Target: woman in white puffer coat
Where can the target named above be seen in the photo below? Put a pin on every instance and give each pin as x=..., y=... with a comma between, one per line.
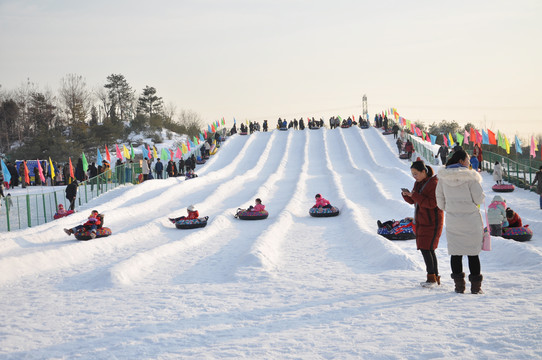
x=459, y=193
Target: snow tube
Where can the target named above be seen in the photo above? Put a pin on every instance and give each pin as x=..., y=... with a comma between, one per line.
x=345, y=126
x=402, y=230
x=84, y=234
x=403, y=156
x=517, y=233
x=58, y=216
x=200, y=161
x=387, y=132
x=252, y=215
x=192, y=223
x=187, y=177
x=503, y=188
x=243, y=133
x=324, y=212
x=283, y=129
x=314, y=127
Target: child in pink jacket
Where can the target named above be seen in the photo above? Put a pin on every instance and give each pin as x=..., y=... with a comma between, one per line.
x=321, y=202
x=258, y=207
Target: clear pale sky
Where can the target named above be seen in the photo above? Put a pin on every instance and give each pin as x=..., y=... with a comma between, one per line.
x=469, y=61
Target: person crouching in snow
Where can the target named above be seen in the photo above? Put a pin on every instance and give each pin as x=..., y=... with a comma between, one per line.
x=496, y=215
x=321, y=202
x=92, y=224
x=513, y=218
x=192, y=215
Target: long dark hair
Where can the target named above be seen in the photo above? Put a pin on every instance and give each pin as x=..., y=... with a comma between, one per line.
x=420, y=166
x=457, y=156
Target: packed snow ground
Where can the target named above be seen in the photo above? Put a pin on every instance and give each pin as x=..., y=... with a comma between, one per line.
x=288, y=287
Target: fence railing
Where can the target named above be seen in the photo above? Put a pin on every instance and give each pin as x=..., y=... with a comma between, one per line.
x=517, y=173
x=22, y=211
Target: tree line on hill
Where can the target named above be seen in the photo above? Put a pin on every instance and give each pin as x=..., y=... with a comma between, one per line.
x=36, y=123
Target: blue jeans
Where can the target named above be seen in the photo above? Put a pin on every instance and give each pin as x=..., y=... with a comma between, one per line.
x=541, y=201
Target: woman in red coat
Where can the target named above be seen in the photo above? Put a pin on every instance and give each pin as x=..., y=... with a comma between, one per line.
x=428, y=218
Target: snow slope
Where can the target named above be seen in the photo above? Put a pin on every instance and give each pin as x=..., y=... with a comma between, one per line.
x=287, y=287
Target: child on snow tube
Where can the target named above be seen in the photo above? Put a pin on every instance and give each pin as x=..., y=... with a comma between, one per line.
x=256, y=211
x=321, y=202
x=192, y=215
x=92, y=224
x=62, y=212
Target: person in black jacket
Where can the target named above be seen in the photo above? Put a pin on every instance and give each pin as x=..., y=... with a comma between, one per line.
x=159, y=168
x=71, y=193
x=181, y=166
x=443, y=153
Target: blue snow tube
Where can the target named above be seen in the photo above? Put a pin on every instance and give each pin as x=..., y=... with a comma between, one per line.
x=192, y=223
x=324, y=212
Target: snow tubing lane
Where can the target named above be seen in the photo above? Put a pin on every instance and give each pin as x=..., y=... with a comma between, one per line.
x=58, y=216
x=517, y=233
x=324, y=212
x=404, y=234
x=84, y=235
x=503, y=188
x=252, y=215
x=192, y=223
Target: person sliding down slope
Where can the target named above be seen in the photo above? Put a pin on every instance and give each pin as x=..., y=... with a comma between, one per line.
x=192, y=215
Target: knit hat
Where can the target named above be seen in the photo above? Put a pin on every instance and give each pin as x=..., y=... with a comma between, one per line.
x=191, y=208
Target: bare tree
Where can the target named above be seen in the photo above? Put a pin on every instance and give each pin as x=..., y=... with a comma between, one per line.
x=170, y=109
x=75, y=98
x=105, y=105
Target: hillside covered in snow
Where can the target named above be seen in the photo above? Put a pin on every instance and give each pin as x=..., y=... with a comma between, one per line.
x=287, y=287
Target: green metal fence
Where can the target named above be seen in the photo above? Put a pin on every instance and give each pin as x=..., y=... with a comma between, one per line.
x=515, y=172
x=22, y=211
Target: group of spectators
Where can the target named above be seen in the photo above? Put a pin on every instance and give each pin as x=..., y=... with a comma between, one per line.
x=172, y=169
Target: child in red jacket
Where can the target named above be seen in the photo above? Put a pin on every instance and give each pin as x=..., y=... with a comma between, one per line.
x=513, y=218
x=92, y=224
x=192, y=215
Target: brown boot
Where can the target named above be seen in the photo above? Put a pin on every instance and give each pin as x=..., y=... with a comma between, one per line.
x=459, y=280
x=431, y=281
x=476, y=284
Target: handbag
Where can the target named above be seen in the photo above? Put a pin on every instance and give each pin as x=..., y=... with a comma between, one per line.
x=486, y=241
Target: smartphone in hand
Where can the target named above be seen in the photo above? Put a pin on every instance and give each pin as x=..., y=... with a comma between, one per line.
x=405, y=190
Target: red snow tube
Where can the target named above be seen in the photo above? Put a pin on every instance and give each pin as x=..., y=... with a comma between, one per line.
x=58, y=216
x=503, y=188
